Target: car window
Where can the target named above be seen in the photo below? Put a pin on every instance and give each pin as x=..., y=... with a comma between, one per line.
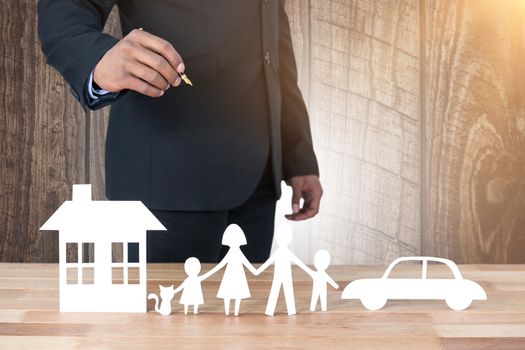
x=406, y=269
x=438, y=270
x=414, y=269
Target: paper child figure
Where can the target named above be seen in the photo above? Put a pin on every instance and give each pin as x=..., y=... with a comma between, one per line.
x=191, y=287
x=166, y=295
x=321, y=278
x=282, y=273
x=234, y=284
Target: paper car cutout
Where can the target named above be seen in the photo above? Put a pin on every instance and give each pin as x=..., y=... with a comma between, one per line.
x=457, y=292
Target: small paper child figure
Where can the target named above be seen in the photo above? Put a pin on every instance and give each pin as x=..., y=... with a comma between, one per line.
x=321, y=278
x=166, y=295
x=282, y=272
x=234, y=284
x=191, y=287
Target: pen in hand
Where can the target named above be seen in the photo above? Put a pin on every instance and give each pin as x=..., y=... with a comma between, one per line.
x=185, y=79
x=183, y=75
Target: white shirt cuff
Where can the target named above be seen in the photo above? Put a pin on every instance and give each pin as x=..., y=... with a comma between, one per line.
x=95, y=93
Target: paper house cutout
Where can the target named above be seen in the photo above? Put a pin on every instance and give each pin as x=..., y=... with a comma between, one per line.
x=457, y=292
x=105, y=284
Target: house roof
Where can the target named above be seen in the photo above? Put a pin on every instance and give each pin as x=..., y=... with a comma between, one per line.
x=83, y=213
x=107, y=215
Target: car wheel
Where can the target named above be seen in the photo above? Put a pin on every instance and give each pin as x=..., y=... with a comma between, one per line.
x=373, y=302
x=458, y=303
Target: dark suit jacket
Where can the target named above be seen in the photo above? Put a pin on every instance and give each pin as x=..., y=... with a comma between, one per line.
x=200, y=148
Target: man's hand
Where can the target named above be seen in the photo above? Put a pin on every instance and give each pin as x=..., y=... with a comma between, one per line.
x=309, y=188
x=141, y=62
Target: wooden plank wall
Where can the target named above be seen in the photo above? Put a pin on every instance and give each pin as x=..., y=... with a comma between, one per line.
x=42, y=139
x=385, y=82
x=474, y=130
x=363, y=96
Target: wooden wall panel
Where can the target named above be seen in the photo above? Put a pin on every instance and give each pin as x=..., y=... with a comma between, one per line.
x=360, y=70
x=299, y=16
x=41, y=139
x=364, y=109
x=474, y=180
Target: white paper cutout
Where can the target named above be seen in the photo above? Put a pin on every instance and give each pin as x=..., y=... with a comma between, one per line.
x=457, y=292
x=107, y=285
x=321, y=279
x=234, y=284
x=282, y=274
x=191, y=287
x=166, y=296
x=102, y=223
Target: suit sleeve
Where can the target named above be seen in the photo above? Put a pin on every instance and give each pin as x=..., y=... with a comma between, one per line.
x=72, y=40
x=298, y=154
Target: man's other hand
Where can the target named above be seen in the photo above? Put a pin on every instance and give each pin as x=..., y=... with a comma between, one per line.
x=309, y=189
x=141, y=62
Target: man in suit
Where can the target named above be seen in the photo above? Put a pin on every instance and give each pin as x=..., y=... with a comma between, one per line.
x=199, y=157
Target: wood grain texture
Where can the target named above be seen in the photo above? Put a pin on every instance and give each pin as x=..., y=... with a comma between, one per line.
x=365, y=120
x=41, y=139
x=475, y=130
x=360, y=70
x=30, y=316
x=298, y=12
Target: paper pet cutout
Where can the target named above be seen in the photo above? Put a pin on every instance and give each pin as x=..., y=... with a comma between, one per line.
x=102, y=282
x=234, y=284
x=166, y=295
x=457, y=292
x=321, y=279
x=282, y=273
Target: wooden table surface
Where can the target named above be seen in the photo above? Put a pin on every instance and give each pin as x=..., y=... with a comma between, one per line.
x=29, y=316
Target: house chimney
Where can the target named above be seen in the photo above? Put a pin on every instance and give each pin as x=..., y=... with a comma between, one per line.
x=82, y=193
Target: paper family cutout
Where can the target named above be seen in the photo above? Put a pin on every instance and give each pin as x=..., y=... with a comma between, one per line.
x=321, y=278
x=457, y=292
x=234, y=284
x=282, y=272
x=191, y=290
x=109, y=283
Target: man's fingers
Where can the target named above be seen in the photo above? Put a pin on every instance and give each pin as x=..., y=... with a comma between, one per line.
x=150, y=76
x=296, y=198
x=161, y=46
x=143, y=87
x=304, y=214
x=311, y=206
x=310, y=209
x=157, y=63
x=311, y=190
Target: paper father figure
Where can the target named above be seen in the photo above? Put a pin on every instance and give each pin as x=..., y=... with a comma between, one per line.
x=282, y=273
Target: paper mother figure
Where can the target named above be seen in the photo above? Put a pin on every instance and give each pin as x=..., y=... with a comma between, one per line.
x=234, y=284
